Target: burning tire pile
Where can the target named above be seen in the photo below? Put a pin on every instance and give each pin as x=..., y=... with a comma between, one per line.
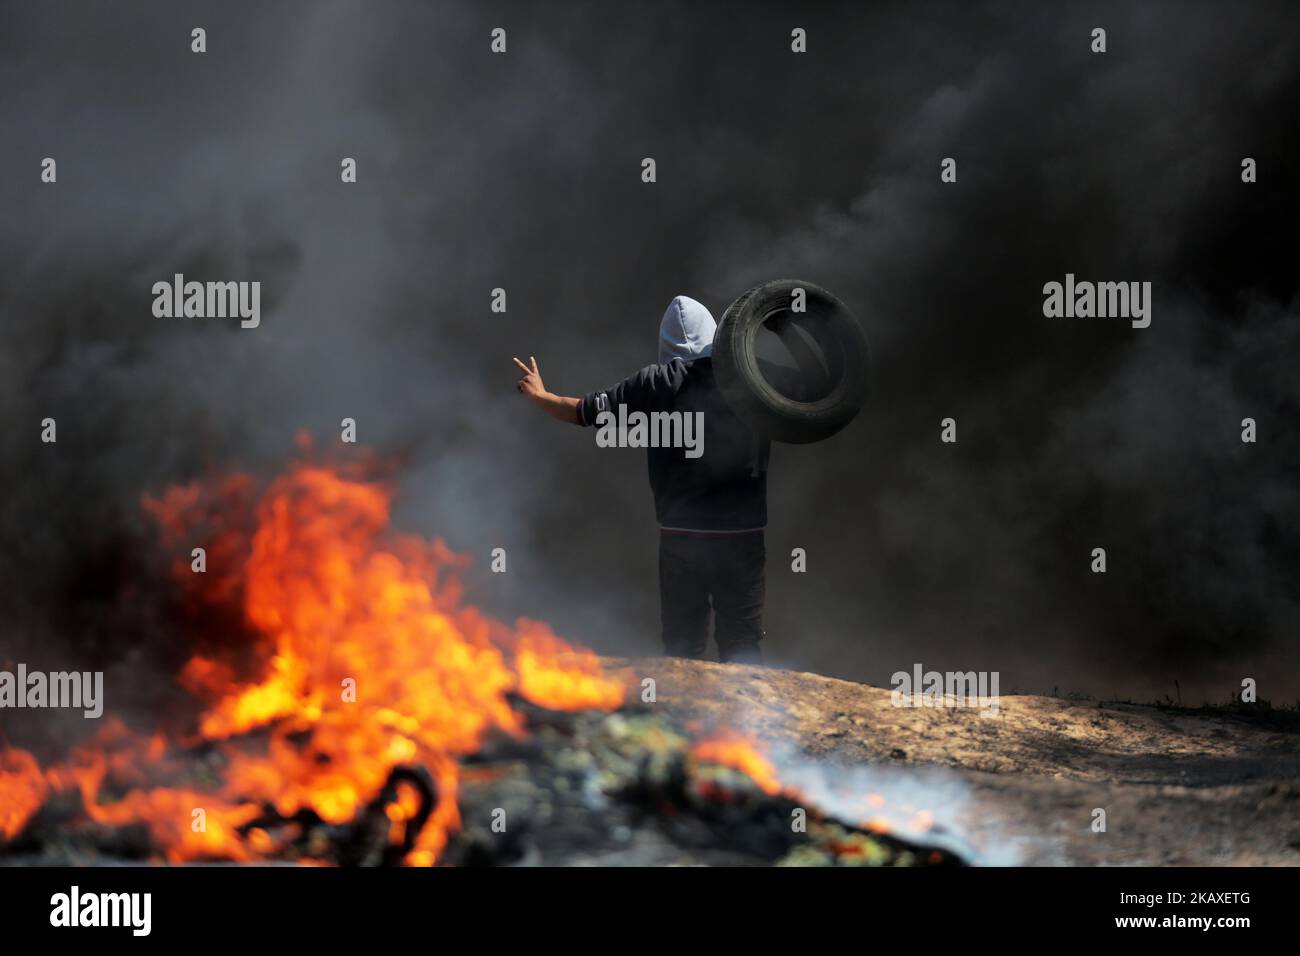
x=361, y=715
x=631, y=789
x=578, y=788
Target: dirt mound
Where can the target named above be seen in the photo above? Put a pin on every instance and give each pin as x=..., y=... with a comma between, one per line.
x=1177, y=786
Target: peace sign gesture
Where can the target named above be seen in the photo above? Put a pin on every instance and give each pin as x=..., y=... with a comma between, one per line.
x=531, y=384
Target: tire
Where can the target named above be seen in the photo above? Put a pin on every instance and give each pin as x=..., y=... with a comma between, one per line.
x=834, y=385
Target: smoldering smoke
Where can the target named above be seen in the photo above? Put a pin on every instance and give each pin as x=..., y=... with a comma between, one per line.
x=521, y=171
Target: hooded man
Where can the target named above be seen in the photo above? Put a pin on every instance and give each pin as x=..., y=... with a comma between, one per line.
x=712, y=509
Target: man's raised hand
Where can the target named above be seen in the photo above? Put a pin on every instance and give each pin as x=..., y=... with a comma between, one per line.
x=531, y=385
x=557, y=406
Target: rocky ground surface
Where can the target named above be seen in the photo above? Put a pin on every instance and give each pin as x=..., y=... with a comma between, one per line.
x=1178, y=786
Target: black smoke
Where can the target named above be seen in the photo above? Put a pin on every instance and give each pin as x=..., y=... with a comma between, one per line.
x=522, y=171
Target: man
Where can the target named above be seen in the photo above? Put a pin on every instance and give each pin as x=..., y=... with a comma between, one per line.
x=712, y=509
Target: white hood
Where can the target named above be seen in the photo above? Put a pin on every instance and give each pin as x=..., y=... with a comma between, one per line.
x=686, y=331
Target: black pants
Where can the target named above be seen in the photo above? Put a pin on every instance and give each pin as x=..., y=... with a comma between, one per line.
x=727, y=569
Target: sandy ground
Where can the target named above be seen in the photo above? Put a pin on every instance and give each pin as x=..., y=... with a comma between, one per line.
x=1178, y=787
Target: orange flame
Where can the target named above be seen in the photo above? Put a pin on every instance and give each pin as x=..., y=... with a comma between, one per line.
x=729, y=748
x=368, y=660
x=22, y=790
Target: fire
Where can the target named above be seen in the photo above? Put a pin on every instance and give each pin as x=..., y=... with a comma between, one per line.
x=729, y=748
x=359, y=657
x=22, y=790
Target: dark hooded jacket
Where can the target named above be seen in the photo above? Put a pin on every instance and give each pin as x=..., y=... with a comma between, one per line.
x=725, y=489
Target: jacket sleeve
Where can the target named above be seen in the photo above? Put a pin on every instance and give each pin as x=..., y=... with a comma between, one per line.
x=650, y=389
